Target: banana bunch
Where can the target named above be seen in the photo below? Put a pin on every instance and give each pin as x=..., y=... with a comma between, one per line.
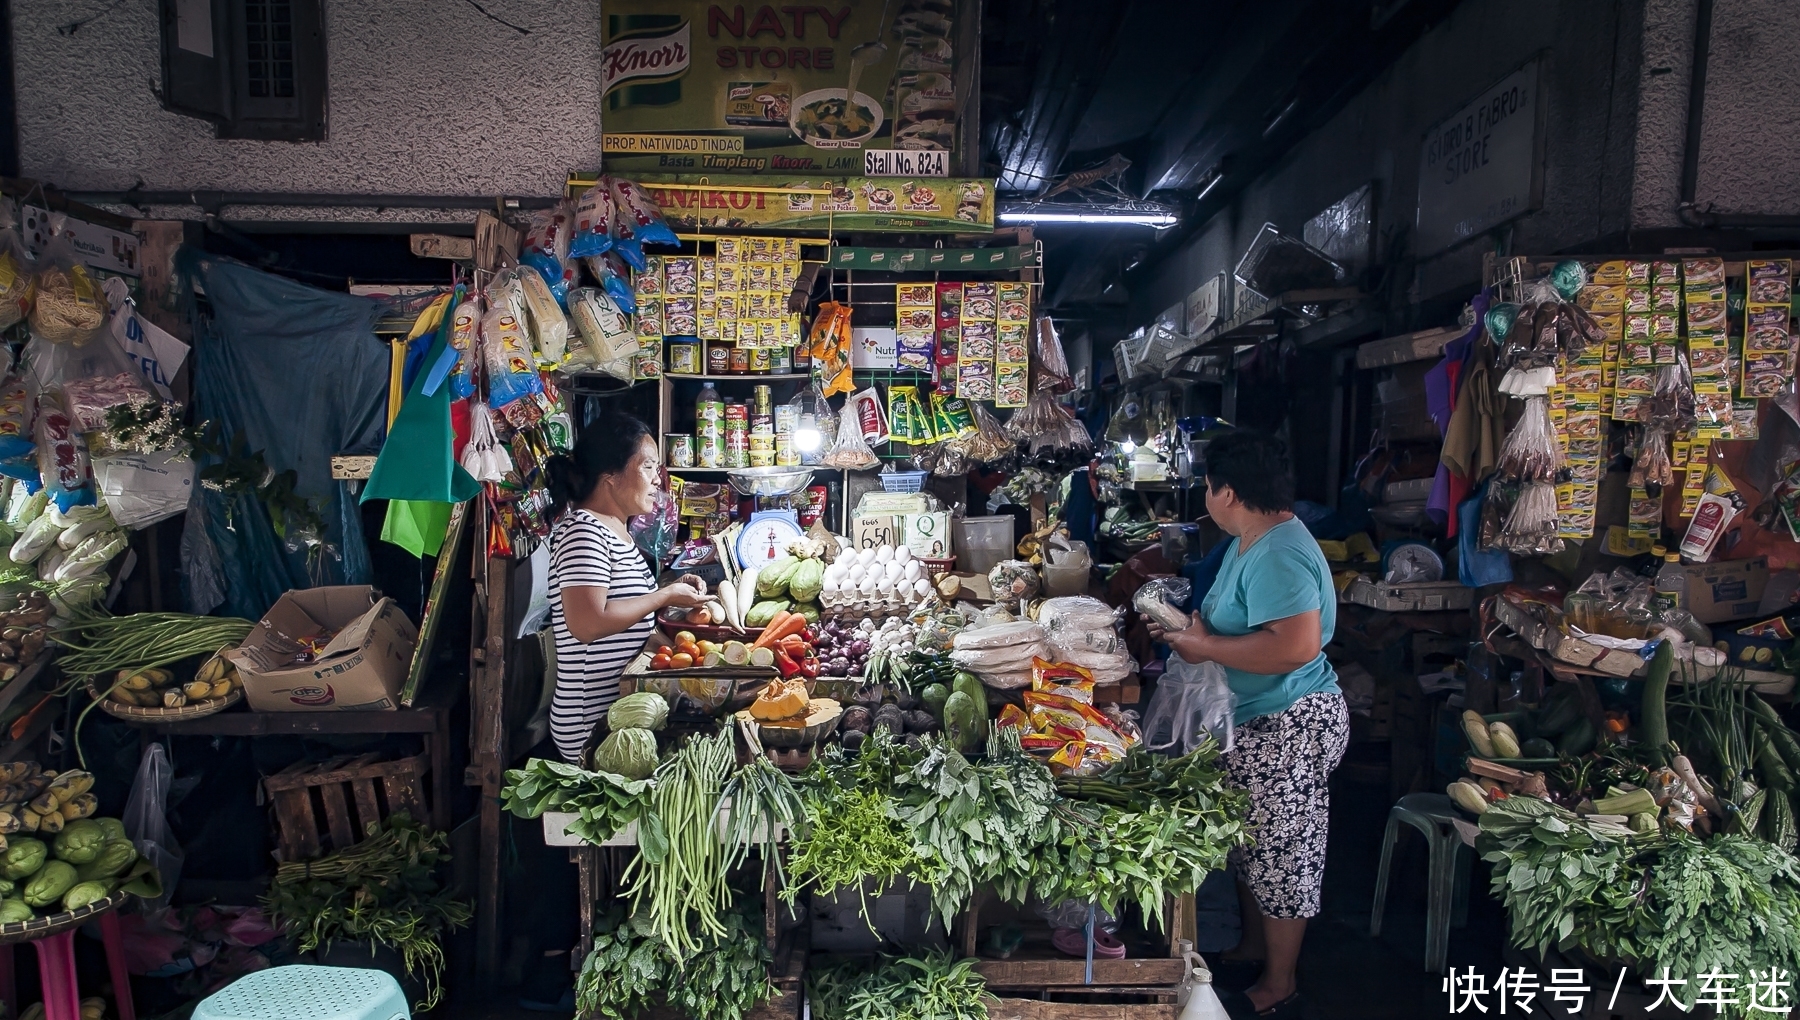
x=157, y=688
x=32, y=800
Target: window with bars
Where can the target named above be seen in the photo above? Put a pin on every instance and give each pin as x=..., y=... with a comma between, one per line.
x=255, y=68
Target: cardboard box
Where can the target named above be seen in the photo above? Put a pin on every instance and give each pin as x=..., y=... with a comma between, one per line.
x=1727, y=590
x=875, y=530
x=361, y=667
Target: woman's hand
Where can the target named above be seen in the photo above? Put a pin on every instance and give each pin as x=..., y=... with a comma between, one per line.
x=1190, y=644
x=682, y=594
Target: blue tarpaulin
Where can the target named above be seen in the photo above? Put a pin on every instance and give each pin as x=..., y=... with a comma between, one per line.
x=298, y=373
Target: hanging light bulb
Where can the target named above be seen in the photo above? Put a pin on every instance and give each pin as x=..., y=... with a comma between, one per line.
x=1128, y=447
x=807, y=438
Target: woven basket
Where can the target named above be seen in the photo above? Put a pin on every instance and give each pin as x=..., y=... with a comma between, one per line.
x=42, y=927
x=139, y=713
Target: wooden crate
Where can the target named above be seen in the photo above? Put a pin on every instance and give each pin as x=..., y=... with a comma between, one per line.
x=329, y=806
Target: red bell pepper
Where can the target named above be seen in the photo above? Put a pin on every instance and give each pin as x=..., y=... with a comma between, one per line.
x=785, y=664
x=809, y=667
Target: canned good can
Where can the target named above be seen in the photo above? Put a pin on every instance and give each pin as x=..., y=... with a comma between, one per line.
x=760, y=398
x=785, y=454
x=740, y=360
x=760, y=363
x=681, y=450
x=736, y=455
x=762, y=424
x=762, y=441
x=787, y=417
x=711, y=453
x=762, y=458
x=737, y=441
x=684, y=357
x=736, y=412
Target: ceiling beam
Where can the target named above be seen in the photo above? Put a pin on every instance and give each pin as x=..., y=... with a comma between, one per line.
x=1075, y=56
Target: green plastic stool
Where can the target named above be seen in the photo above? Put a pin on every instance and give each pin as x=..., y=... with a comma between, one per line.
x=1446, y=876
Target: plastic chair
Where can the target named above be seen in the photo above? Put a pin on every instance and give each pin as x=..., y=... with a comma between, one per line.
x=56, y=972
x=1432, y=814
x=308, y=993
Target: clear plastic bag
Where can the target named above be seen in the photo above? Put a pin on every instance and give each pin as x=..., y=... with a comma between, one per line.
x=850, y=451
x=146, y=819
x=1052, y=363
x=69, y=306
x=1531, y=452
x=1531, y=526
x=1192, y=701
x=17, y=278
x=1161, y=600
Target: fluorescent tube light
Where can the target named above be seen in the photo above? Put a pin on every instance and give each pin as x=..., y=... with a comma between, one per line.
x=1122, y=217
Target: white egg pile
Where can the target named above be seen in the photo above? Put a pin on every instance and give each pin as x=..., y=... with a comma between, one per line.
x=872, y=578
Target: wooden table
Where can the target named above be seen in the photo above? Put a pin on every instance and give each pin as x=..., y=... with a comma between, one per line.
x=429, y=717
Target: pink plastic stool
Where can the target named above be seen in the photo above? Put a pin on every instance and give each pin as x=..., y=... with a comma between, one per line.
x=56, y=971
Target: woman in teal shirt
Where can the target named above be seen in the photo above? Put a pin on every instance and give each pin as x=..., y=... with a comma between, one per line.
x=1267, y=619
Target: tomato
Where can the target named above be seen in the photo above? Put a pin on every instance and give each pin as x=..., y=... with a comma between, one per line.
x=660, y=661
x=685, y=637
x=664, y=650
x=680, y=660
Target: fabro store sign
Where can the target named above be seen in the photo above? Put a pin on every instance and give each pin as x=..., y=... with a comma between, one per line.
x=696, y=87
x=921, y=204
x=1483, y=165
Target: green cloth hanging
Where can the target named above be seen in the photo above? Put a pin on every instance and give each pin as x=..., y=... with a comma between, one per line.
x=418, y=460
x=417, y=525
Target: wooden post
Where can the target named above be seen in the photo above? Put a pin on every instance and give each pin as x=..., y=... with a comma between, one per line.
x=488, y=754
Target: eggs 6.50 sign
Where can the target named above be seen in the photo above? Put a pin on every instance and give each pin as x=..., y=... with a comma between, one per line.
x=1482, y=165
x=694, y=87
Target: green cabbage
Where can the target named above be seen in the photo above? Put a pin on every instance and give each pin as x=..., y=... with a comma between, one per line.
x=643, y=710
x=629, y=752
x=80, y=841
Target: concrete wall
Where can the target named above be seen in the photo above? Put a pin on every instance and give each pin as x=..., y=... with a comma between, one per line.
x=1591, y=82
x=1750, y=143
x=424, y=97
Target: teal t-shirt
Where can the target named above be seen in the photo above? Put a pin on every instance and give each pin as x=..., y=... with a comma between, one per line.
x=1284, y=574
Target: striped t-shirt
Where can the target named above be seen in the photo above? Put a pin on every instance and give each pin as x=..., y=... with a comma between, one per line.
x=587, y=553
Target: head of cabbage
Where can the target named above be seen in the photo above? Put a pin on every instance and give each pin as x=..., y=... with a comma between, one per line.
x=630, y=752
x=643, y=710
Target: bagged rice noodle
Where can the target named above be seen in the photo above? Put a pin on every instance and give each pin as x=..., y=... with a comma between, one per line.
x=69, y=307
x=506, y=353
x=549, y=327
x=591, y=233
x=613, y=275
x=641, y=217
x=607, y=343
x=850, y=451
x=465, y=339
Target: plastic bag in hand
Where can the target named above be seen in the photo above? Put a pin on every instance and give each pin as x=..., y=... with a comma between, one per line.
x=1162, y=599
x=1192, y=701
x=146, y=819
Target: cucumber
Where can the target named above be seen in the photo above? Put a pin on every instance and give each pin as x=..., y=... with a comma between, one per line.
x=1782, y=737
x=1562, y=711
x=1774, y=772
x=1537, y=747
x=1578, y=739
x=1653, y=724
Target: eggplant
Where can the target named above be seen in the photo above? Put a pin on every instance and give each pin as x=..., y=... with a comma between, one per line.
x=856, y=717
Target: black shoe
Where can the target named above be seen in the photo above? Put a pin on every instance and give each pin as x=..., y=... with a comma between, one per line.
x=1239, y=1006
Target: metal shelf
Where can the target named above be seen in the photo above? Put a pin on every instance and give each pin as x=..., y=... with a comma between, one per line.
x=733, y=377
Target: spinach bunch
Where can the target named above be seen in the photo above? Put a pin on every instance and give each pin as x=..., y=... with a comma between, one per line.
x=850, y=834
x=602, y=802
x=631, y=969
x=933, y=987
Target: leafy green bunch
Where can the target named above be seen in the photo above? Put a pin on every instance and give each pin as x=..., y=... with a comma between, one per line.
x=1730, y=904
x=384, y=889
x=631, y=968
x=603, y=803
x=933, y=987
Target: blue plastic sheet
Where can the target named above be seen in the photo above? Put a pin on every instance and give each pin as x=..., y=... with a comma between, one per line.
x=299, y=374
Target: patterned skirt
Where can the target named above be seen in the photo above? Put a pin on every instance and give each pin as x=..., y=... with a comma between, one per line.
x=1284, y=761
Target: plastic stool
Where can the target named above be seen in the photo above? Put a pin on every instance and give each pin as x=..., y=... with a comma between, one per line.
x=1433, y=815
x=308, y=993
x=56, y=972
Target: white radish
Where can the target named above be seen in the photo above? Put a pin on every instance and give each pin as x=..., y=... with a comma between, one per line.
x=746, y=596
x=728, y=603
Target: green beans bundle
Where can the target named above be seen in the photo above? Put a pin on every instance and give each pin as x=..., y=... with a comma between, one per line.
x=681, y=865
x=102, y=644
x=763, y=803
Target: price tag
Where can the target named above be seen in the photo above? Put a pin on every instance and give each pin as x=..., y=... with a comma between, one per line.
x=876, y=530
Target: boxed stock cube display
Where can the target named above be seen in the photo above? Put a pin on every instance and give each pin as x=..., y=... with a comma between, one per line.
x=328, y=649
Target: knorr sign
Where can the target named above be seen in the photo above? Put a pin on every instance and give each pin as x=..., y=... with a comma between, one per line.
x=765, y=88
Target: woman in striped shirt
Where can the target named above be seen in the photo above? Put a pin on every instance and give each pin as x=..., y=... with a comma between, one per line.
x=603, y=595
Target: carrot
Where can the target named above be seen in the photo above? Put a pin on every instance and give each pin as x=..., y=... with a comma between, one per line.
x=780, y=627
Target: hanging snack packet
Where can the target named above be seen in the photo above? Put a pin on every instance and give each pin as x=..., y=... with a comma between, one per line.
x=465, y=334
x=830, y=341
x=547, y=231
x=902, y=428
x=549, y=327
x=62, y=462
x=1061, y=678
x=16, y=279
x=507, y=354
x=591, y=235
x=69, y=306
x=866, y=406
x=646, y=219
